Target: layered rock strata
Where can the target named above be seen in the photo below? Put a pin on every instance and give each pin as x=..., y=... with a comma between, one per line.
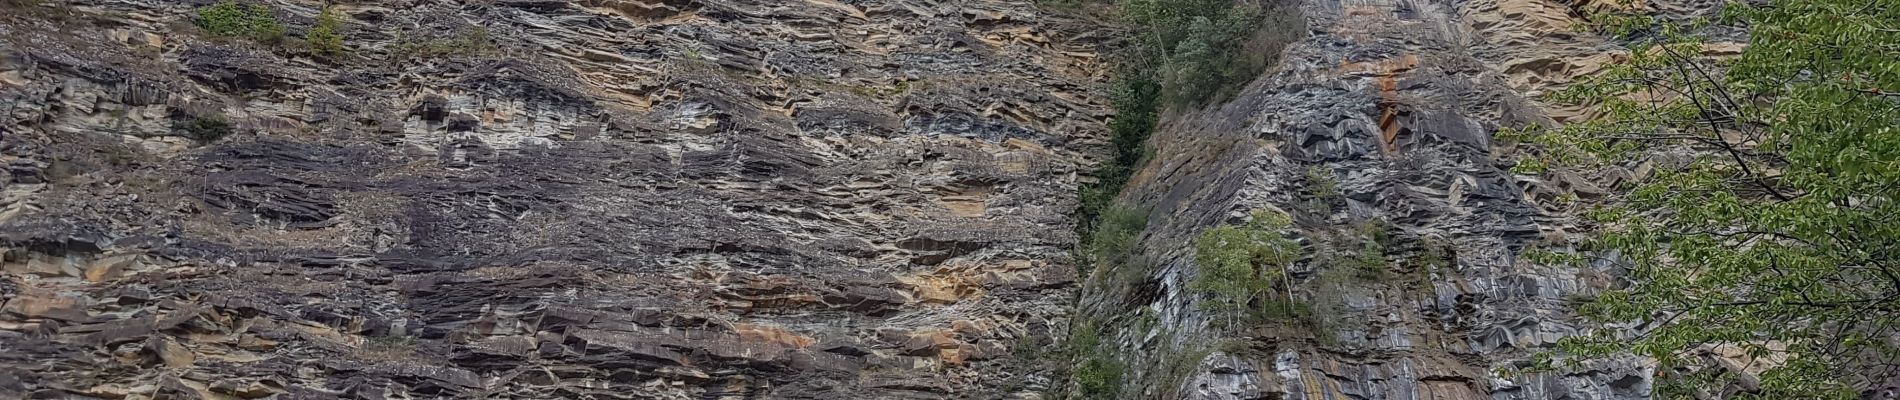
x=643, y=199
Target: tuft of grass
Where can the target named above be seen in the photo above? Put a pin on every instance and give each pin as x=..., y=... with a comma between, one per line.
x=467, y=42
x=387, y=347
x=1028, y=348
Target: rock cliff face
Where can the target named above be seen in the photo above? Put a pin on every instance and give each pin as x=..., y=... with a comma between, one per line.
x=645, y=199
x=1376, y=128
x=820, y=199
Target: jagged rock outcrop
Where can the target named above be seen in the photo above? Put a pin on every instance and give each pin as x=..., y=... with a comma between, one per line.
x=1380, y=123
x=647, y=199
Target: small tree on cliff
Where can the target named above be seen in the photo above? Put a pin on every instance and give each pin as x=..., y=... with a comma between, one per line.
x=1776, y=232
x=326, y=36
x=1241, y=263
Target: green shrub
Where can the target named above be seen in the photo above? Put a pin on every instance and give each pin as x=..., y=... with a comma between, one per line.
x=1367, y=245
x=1028, y=348
x=1099, y=377
x=1113, y=244
x=204, y=129
x=1096, y=375
x=1319, y=194
x=326, y=36
x=250, y=21
x=1180, y=363
x=1274, y=309
x=1368, y=261
x=1435, y=253
x=1320, y=183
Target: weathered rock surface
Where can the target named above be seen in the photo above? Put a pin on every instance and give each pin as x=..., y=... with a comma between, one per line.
x=645, y=199
x=1393, y=104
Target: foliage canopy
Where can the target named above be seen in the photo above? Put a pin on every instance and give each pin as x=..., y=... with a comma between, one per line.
x=1195, y=49
x=1768, y=224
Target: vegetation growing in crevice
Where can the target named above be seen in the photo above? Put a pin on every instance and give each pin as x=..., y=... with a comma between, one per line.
x=1434, y=254
x=1257, y=294
x=1112, y=245
x=1137, y=109
x=1110, y=260
x=466, y=42
x=1363, y=250
x=1181, y=362
x=1321, y=190
x=1181, y=53
x=203, y=128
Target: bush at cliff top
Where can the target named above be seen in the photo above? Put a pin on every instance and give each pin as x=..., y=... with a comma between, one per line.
x=1197, y=49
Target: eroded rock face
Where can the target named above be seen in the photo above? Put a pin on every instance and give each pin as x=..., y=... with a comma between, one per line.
x=1393, y=104
x=616, y=199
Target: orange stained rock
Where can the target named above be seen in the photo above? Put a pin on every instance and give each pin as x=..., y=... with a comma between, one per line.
x=1386, y=73
x=1388, y=113
x=972, y=327
x=949, y=284
x=943, y=343
x=958, y=354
